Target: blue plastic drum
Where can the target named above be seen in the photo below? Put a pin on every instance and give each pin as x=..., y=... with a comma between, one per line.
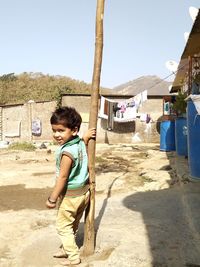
x=181, y=136
x=167, y=136
x=193, y=125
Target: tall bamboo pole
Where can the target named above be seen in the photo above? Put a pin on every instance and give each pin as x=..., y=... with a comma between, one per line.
x=89, y=231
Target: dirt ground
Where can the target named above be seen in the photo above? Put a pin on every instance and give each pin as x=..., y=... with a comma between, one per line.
x=140, y=217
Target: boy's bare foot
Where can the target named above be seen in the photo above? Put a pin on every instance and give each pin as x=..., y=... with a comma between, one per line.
x=60, y=254
x=67, y=262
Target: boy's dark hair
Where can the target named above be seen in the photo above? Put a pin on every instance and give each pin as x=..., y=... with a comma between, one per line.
x=67, y=116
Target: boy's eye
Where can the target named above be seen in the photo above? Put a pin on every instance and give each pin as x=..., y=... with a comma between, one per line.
x=59, y=131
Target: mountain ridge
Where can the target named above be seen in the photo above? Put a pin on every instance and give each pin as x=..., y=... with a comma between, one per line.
x=152, y=83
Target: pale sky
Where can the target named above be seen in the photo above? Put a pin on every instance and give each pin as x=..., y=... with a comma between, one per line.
x=57, y=37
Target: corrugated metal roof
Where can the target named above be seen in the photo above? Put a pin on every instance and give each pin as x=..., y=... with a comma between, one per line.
x=192, y=48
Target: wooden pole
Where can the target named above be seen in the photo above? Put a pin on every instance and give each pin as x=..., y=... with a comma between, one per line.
x=89, y=231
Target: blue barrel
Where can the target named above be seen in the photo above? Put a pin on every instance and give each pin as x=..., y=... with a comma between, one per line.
x=167, y=136
x=181, y=136
x=193, y=125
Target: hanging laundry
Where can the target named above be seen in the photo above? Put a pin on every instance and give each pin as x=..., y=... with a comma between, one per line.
x=130, y=113
x=137, y=100
x=130, y=103
x=102, y=104
x=122, y=106
x=148, y=118
x=143, y=117
x=144, y=96
x=116, y=109
x=123, y=111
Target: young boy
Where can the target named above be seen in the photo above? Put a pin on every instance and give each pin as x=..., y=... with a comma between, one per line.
x=72, y=178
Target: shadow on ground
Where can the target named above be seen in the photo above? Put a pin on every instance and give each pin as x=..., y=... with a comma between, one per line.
x=171, y=240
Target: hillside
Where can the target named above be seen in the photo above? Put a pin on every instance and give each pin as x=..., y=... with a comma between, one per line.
x=153, y=84
x=19, y=89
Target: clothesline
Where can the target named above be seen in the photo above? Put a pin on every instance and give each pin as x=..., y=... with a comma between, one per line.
x=139, y=97
x=121, y=110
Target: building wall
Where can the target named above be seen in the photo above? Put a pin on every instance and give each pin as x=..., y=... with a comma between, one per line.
x=135, y=131
x=17, y=121
x=150, y=132
x=129, y=132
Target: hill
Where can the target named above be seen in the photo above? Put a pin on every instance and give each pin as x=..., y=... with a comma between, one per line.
x=18, y=89
x=153, y=84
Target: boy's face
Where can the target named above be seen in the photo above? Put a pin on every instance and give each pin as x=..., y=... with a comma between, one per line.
x=62, y=134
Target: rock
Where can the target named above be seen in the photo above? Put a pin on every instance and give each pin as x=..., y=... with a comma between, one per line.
x=43, y=146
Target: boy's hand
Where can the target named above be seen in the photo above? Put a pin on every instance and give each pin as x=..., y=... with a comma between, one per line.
x=90, y=133
x=50, y=205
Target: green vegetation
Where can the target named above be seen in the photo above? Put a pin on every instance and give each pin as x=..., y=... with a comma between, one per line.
x=18, y=89
x=22, y=146
x=180, y=105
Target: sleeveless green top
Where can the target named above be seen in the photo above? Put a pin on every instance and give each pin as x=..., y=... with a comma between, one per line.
x=76, y=150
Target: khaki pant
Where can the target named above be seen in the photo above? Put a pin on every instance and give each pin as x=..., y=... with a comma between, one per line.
x=68, y=218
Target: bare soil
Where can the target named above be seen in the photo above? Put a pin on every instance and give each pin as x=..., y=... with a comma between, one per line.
x=140, y=220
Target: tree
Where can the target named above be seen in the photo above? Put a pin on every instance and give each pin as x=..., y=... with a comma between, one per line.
x=89, y=236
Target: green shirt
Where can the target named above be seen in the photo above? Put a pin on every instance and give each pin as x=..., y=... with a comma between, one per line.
x=76, y=150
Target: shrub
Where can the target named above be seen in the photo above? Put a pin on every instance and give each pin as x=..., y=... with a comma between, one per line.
x=22, y=146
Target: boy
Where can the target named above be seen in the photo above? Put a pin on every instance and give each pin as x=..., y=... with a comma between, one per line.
x=72, y=178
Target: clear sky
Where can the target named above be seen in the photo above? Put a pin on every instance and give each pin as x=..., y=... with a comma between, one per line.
x=57, y=37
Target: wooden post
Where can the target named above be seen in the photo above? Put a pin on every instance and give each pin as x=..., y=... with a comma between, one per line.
x=89, y=231
x=190, y=75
